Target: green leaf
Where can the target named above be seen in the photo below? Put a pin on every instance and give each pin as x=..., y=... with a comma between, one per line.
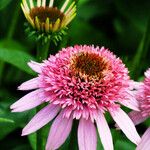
x=14, y=53
x=4, y=3
x=32, y=139
x=6, y=120
x=124, y=145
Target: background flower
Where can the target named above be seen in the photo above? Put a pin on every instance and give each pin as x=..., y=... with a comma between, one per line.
x=143, y=97
x=80, y=82
x=47, y=21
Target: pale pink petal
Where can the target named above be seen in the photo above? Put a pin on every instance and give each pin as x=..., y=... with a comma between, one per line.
x=59, y=132
x=134, y=85
x=87, y=138
x=131, y=103
x=35, y=66
x=104, y=132
x=29, y=101
x=145, y=141
x=41, y=118
x=29, y=85
x=126, y=125
x=137, y=117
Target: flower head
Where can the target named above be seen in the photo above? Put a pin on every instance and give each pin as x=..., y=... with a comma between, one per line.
x=48, y=21
x=80, y=82
x=142, y=94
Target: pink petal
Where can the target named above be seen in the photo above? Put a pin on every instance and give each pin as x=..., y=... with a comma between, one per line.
x=137, y=117
x=87, y=138
x=131, y=103
x=134, y=85
x=29, y=85
x=145, y=142
x=104, y=132
x=126, y=125
x=41, y=118
x=29, y=101
x=59, y=132
x=35, y=66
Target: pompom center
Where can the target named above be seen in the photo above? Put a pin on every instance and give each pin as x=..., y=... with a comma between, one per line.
x=89, y=65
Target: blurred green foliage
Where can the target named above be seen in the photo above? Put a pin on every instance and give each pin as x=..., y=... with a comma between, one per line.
x=123, y=26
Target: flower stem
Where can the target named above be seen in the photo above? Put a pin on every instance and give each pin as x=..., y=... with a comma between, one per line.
x=141, y=52
x=42, y=50
x=42, y=53
x=14, y=21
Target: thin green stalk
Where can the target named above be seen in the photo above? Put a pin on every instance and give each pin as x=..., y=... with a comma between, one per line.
x=42, y=53
x=141, y=52
x=42, y=50
x=13, y=23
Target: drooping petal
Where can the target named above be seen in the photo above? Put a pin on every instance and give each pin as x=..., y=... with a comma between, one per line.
x=29, y=85
x=145, y=141
x=87, y=137
x=35, y=66
x=137, y=117
x=104, y=132
x=59, y=132
x=29, y=101
x=41, y=118
x=126, y=125
x=131, y=103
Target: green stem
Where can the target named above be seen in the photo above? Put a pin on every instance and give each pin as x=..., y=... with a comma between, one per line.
x=141, y=52
x=14, y=21
x=42, y=50
x=42, y=53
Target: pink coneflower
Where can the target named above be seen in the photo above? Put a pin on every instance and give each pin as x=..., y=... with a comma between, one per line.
x=80, y=82
x=143, y=97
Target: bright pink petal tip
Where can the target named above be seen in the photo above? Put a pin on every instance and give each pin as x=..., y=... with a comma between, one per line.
x=59, y=132
x=145, y=141
x=126, y=125
x=104, y=132
x=87, y=138
x=40, y=119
